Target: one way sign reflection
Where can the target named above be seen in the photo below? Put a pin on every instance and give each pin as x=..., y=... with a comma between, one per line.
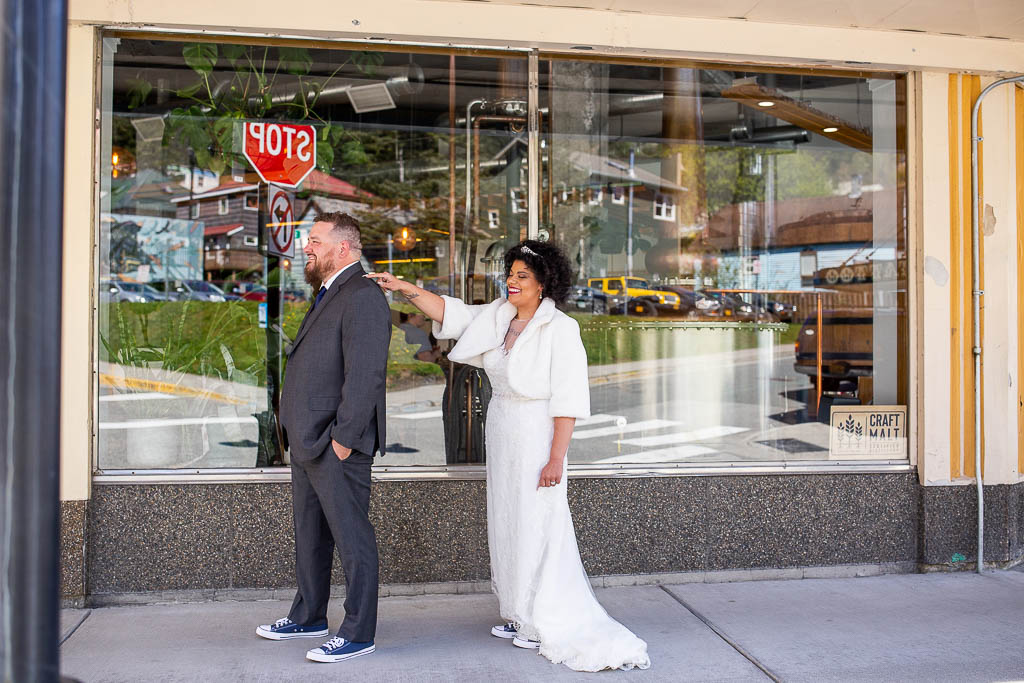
x=280, y=223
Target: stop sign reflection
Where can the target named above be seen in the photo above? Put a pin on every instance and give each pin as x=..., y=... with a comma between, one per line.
x=281, y=153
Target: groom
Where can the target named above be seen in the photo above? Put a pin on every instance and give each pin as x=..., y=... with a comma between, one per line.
x=332, y=416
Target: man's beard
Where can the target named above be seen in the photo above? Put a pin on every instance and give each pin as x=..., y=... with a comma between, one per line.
x=316, y=275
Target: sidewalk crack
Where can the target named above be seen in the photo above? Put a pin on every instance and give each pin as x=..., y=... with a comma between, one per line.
x=724, y=636
x=71, y=631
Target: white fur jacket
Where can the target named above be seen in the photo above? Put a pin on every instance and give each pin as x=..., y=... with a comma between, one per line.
x=547, y=361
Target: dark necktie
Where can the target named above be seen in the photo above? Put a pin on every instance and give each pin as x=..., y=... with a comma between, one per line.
x=319, y=296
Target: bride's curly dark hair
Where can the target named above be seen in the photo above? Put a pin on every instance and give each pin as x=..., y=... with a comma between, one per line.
x=548, y=263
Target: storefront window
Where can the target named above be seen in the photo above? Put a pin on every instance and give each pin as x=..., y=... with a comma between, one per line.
x=427, y=152
x=723, y=222
x=748, y=216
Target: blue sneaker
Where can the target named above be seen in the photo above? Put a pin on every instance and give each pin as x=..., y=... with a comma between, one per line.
x=284, y=629
x=336, y=649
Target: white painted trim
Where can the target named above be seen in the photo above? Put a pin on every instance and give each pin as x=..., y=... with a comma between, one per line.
x=478, y=472
x=490, y=25
x=77, y=314
x=933, y=198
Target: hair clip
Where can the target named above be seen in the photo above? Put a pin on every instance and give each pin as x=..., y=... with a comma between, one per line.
x=526, y=250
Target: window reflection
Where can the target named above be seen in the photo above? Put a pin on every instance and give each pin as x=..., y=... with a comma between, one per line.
x=738, y=240
x=741, y=255
x=426, y=151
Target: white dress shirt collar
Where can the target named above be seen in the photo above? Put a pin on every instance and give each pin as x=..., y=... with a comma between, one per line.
x=330, y=281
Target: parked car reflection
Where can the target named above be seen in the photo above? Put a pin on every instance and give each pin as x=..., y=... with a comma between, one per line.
x=259, y=293
x=693, y=304
x=591, y=300
x=784, y=311
x=195, y=290
x=135, y=292
x=735, y=307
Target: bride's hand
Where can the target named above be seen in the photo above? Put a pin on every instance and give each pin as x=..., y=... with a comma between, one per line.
x=551, y=475
x=387, y=281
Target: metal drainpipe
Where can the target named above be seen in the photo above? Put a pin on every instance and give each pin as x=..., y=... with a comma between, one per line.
x=976, y=294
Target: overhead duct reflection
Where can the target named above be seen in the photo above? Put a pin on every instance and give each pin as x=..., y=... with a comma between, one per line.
x=747, y=133
x=407, y=80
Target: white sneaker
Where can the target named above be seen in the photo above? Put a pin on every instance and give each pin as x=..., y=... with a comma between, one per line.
x=504, y=630
x=525, y=643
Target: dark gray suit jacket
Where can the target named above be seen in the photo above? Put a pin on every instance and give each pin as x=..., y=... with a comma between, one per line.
x=334, y=385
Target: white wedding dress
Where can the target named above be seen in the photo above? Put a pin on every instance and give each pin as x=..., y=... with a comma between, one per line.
x=536, y=570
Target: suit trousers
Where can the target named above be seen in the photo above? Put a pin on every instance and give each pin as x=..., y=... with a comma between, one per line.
x=331, y=505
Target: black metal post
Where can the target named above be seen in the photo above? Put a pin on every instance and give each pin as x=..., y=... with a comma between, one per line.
x=272, y=281
x=33, y=46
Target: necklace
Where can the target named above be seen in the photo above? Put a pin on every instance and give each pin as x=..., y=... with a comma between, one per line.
x=512, y=334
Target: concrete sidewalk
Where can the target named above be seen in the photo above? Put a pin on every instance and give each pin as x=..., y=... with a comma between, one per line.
x=916, y=627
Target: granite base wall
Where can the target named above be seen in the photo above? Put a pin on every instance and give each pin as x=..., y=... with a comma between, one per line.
x=137, y=539
x=144, y=538
x=72, y=549
x=186, y=537
x=949, y=525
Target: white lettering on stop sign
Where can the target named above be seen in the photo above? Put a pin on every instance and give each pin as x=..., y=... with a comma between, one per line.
x=255, y=131
x=302, y=151
x=282, y=153
x=274, y=139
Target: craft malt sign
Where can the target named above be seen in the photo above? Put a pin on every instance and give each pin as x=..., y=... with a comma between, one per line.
x=868, y=432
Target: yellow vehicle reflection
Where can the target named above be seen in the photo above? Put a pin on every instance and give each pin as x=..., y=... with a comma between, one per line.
x=648, y=301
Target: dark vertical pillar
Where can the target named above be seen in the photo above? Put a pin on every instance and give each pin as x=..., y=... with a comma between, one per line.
x=32, y=70
x=272, y=281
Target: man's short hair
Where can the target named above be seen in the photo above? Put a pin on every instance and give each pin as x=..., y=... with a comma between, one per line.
x=344, y=228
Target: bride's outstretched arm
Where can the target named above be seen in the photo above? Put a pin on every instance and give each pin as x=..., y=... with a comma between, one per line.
x=551, y=475
x=431, y=304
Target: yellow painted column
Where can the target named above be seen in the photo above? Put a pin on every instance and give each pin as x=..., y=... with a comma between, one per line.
x=963, y=91
x=1002, y=266
x=947, y=453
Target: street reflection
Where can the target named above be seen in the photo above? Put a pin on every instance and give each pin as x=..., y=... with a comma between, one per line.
x=737, y=238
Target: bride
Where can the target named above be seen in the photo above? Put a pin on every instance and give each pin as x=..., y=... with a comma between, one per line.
x=534, y=358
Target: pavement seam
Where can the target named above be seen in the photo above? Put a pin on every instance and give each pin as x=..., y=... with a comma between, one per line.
x=71, y=631
x=724, y=636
